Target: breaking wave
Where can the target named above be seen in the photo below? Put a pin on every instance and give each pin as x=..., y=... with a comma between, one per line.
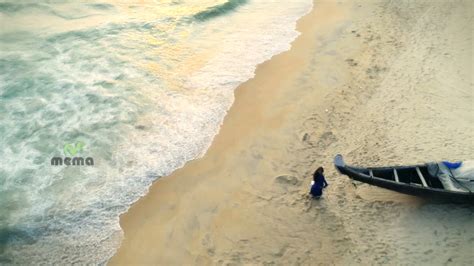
x=219, y=10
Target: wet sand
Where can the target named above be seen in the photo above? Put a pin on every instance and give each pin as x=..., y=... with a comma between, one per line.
x=381, y=82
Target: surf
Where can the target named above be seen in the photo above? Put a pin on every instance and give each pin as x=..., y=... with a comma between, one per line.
x=145, y=87
x=219, y=10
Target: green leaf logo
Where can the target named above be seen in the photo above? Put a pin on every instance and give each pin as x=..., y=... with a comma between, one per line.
x=72, y=149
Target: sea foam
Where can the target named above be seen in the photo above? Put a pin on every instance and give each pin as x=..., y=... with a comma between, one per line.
x=146, y=88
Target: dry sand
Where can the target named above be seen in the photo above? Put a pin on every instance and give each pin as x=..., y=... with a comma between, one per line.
x=382, y=82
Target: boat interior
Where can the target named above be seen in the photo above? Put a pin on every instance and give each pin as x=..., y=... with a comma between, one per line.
x=410, y=175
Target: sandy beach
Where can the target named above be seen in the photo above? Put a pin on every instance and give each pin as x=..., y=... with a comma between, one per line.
x=381, y=82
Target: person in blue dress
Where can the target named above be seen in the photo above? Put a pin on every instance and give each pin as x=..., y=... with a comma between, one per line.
x=318, y=183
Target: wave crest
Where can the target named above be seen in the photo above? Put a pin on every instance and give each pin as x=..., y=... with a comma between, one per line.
x=219, y=10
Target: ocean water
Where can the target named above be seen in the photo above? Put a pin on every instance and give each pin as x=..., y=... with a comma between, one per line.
x=141, y=87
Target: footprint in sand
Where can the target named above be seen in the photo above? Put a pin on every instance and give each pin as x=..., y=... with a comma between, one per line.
x=287, y=180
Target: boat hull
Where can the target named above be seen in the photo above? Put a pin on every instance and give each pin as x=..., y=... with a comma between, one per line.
x=432, y=190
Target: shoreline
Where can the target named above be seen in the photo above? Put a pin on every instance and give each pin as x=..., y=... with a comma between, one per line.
x=246, y=116
x=345, y=86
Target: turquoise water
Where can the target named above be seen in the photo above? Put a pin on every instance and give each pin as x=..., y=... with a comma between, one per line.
x=139, y=87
